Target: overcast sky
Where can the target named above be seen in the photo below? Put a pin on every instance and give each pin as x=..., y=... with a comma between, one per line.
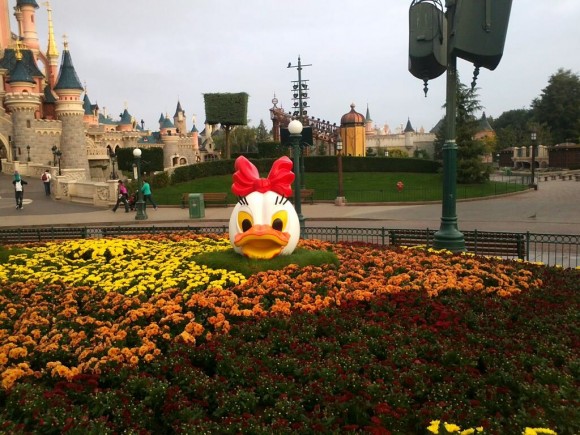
x=150, y=53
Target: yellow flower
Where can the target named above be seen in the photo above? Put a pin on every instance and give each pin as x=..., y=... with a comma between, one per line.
x=450, y=427
x=434, y=427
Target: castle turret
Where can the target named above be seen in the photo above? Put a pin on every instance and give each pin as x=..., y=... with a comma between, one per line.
x=23, y=102
x=352, y=131
x=409, y=135
x=4, y=25
x=69, y=110
x=179, y=120
x=369, y=125
x=51, y=52
x=126, y=123
x=25, y=11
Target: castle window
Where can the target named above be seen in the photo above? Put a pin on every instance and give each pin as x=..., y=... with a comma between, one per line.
x=28, y=123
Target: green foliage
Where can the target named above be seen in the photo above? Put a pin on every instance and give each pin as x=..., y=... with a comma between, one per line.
x=559, y=107
x=262, y=134
x=271, y=149
x=160, y=179
x=420, y=154
x=231, y=260
x=7, y=251
x=470, y=168
x=511, y=128
x=226, y=108
x=151, y=159
x=397, y=153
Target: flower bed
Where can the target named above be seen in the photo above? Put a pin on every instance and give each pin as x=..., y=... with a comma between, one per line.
x=133, y=335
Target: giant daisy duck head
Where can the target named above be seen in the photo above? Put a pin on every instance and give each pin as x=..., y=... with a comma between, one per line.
x=264, y=223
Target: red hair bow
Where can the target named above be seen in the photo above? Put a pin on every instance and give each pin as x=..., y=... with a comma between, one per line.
x=247, y=178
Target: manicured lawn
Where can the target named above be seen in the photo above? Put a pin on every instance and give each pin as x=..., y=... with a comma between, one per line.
x=357, y=186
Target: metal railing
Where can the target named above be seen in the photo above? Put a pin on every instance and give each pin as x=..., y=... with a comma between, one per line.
x=550, y=249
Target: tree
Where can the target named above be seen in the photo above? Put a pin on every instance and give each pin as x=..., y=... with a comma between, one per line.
x=511, y=128
x=262, y=133
x=559, y=107
x=470, y=167
x=228, y=110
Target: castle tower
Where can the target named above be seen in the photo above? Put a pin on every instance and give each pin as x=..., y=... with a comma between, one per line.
x=4, y=25
x=51, y=52
x=409, y=135
x=69, y=110
x=24, y=103
x=126, y=123
x=179, y=120
x=369, y=125
x=352, y=131
x=25, y=11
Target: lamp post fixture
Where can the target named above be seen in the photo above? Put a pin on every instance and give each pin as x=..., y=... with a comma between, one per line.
x=140, y=204
x=58, y=154
x=449, y=237
x=113, y=161
x=295, y=130
x=53, y=149
x=28, y=151
x=533, y=166
x=340, y=200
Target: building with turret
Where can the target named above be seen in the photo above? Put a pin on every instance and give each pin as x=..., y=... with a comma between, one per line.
x=47, y=120
x=408, y=141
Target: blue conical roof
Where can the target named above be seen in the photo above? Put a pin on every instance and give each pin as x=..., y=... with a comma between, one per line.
x=20, y=74
x=27, y=2
x=409, y=127
x=87, y=105
x=126, y=118
x=67, y=76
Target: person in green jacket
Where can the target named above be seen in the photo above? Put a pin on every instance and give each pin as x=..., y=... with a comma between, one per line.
x=147, y=196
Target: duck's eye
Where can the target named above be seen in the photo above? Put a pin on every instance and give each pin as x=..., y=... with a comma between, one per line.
x=245, y=221
x=279, y=220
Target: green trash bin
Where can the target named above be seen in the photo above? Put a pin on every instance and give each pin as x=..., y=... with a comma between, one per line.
x=196, y=206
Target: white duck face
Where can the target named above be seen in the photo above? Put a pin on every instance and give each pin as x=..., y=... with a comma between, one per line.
x=264, y=225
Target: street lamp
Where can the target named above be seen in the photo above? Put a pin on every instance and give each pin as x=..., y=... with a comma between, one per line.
x=58, y=154
x=28, y=151
x=533, y=183
x=53, y=149
x=295, y=130
x=340, y=198
x=140, y=204
x=113, y=161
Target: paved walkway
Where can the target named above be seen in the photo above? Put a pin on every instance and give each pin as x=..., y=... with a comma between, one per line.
x=553, y=209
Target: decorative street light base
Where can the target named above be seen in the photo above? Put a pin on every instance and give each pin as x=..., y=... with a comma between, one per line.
x=141, y=212
x=449, y=237
x=340, y=200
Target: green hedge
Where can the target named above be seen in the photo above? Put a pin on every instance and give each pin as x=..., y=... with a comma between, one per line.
x=311, y=164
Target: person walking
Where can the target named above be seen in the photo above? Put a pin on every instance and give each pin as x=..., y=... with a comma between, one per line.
x=147, y=196
x=122, y=197
x=18, y=183
x=46, y=177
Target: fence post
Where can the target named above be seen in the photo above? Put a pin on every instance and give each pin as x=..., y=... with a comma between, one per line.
x=383, y=236
x=527, y=253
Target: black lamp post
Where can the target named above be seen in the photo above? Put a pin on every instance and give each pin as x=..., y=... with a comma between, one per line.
x=53, y=149
x=113, y=161
x=295, y=130
x=140, y=204
x=533, y=167
x=340, y=198
x=28, y=151
x=58, y=154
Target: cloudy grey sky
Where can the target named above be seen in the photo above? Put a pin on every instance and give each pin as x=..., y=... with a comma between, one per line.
x=151, y=53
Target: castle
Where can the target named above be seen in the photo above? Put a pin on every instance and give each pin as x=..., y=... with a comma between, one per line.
x=47, y=120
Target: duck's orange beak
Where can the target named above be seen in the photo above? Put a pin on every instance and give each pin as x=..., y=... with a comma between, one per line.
x=261, y=242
